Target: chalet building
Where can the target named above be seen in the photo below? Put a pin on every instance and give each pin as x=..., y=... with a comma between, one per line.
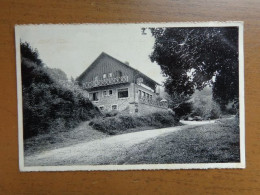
x=114, y=85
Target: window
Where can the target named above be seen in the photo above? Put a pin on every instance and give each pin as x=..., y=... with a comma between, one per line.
x=104, y=93
x=122, y=93
x=139, y=93
x=114, y=107
x=110, y=74
x=104, y=76
x=93, y=96
x=110, y=92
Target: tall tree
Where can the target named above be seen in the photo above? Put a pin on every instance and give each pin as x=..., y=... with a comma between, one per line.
x=193, y=58
x=30, y=53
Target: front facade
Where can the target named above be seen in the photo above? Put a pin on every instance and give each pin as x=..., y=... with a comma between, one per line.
x=114, y=85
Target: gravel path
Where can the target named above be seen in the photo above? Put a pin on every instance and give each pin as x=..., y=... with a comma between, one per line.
x=108, y=150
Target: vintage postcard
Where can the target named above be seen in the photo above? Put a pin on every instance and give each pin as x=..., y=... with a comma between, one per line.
x=130, y=96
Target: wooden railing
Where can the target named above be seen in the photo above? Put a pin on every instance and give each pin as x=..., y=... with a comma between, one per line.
x=154, y=103
x=105, y=82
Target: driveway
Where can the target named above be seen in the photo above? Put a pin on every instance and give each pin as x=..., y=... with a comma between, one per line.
x=108, y=150
x=197, y=122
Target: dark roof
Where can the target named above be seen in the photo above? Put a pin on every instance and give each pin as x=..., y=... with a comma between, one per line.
x=124, y=64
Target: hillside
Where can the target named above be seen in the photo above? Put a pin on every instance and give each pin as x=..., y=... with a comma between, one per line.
x=49, y=105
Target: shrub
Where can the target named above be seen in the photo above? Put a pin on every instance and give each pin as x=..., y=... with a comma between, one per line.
x=118, y=124
x=47, y=104
x=232, y=107
x=110, y=113
x=58, y=125
x=183, y=109
x=206, y=108
x=215, y=111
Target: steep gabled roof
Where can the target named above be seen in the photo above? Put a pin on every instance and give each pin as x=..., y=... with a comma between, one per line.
x=103, y=54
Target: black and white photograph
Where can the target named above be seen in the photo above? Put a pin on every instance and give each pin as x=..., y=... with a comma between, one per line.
x=131, y=96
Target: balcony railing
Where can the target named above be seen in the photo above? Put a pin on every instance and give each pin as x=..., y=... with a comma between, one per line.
x=154, y=103
x=106, y=82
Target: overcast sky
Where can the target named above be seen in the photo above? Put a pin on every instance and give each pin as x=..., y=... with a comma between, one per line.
x=72, y=48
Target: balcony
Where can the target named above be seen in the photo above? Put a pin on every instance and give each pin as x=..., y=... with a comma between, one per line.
x=106, y=82
x=153, y=103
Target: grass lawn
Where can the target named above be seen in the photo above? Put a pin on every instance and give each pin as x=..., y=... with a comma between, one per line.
x=213, y=143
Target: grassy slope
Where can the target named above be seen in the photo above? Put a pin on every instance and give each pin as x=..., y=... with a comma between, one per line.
x=53, y=140
x=214, y=143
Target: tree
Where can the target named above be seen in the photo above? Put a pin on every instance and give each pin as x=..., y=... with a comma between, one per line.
x=50, y=102
x=203, y=105
x=193, y=58
x=28, y=52
x=57, y=74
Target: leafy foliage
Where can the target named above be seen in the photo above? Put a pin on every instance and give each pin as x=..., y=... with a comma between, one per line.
x=29, y=53
x=183, y=109
x=204, y=106
x=121, y=123
x=192, y=57
x=49, y=105
x=57, y=74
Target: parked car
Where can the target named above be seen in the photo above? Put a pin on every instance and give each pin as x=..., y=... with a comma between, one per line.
x=197, y=118
x=190, y=118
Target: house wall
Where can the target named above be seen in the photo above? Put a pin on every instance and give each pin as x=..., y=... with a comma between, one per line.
x=129, y=105
x=108, y=101
x=144, y=109
x=106, y=64
x=138, y=87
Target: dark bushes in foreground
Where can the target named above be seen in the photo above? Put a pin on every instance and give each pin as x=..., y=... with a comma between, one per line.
x=120, y=123
x=48, y=105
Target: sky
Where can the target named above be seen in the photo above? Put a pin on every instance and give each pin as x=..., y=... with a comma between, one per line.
x=72, y=48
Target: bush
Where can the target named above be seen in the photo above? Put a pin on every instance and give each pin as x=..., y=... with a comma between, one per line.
x=183, y=109
x=58, y=125
x=111, y=113
x=48, y=105
x=232, y=107
x=215, y=111
x=206, y=109
x=118, y=124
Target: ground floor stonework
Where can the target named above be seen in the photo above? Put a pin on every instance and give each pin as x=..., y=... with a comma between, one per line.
x=129, y=98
